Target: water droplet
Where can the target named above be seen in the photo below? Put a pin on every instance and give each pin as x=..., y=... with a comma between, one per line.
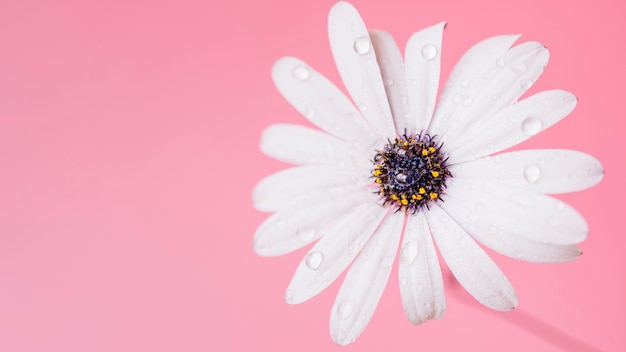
x=344, y=309
x=389, y=82
x=464, y=83
x=313, y=260
x=301, y=73
x=280, y=224
x=573, y=175
x=306, y=235
x=525, y=83
x=408, y=253
x=362, y=45
x=429, y=51
x=457, y=98
x=532, y=173
x=401, y=177
x=531, y=125
x=522, y=200
x=501, y=63
x=467, y=101
x=560, y=205
x=310, y=112
x=554, y=222
x=520, y=68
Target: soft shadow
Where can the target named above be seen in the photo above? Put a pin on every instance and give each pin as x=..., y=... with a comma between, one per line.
x=523, y=320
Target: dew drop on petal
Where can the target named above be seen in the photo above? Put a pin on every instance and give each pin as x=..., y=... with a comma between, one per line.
x=386, y=262
x=500, y=63
x=531, y=125
x=573, y=175
x=301, y=73
x=525, y=83
x=408, y=253
x=554, y=222
x=389, y=82
x=467, y=101
x=429, y=51
x=362, y=45
x=344, y=309
x=313, y=260
x=532, y=173
x=464, y=83
x=310, y=112
x=457, y=98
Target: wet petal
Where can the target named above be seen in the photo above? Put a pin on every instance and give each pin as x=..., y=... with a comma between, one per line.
x=321, y=102
x=365, y=282
x=302, y=145
x=423, y=65
x=471, y=266
x=340, y=244
x=356, y=60
x=543, y=171
x=421, y=283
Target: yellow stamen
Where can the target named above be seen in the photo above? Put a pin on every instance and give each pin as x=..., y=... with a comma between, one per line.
x=419, y=197
x=405, y=144
x=394, y=197
x=434, y=195
x=422, y=190
x=379, y=180
x=431, y=149
x=434, y=173
x=424, y=152
x=404, y=202
x=378, y=172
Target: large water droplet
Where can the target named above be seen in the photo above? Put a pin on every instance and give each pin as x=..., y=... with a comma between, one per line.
x=362, y=45
x=408, y=253
x=344, y=309
x=531, y=125
x=313, y=260
x=301, y=73
x=429, y=51
x=532, y=173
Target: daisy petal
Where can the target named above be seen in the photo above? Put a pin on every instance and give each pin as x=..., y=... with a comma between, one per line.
x=497, y=89
x=302, y=145
x=544, y=171
x=320, y=101
x=340, y=244
x=365, y=282
x=472, y=66
x=423, y=63
x=421, y=283
x=482, y=228
x=290, y=187
x=290, y=229
x=356, y=60
x=392, y=71
x=471, y=266
x=533, y=216
x=515, y=124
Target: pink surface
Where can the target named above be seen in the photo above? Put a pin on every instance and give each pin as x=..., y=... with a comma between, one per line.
x=129, y=149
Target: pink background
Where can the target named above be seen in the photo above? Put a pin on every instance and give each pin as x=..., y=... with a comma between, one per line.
x=129, y=148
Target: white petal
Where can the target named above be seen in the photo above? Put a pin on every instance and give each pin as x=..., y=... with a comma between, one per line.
x=365, y=282
x=320, y=101
x=421, y=283
x=514, y=124
x=475, y=63
x=297, y=185
x=471, y=266
x=498, y=88
x=544, y=171
x=356, y=61
x=533, y=216
x=423, y=65
x=339, y=245
x=290, y=229
x=392, y=71
x=302, y=145
x=481, y=227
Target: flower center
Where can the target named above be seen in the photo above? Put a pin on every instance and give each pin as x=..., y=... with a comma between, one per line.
x=411, y=172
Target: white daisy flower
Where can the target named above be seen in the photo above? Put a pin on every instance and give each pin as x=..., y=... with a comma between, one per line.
x=391, y=170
